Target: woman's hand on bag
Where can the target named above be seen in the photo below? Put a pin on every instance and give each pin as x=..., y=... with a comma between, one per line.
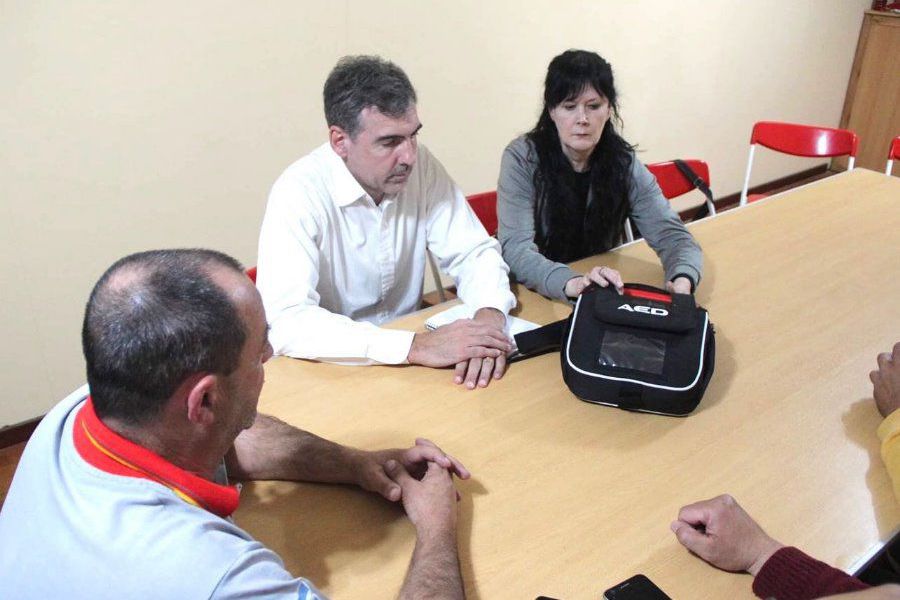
x=680, y=285
x=602, y=276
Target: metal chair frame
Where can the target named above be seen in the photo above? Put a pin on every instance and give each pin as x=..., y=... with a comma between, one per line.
x=893, y=153
x=673, y=184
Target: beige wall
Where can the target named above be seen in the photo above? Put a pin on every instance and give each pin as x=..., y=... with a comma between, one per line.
x=127, y=125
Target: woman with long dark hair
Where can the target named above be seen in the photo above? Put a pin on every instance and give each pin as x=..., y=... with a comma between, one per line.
x=567, y=186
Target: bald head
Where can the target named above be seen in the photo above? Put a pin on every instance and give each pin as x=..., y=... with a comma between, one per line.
x=153, y=320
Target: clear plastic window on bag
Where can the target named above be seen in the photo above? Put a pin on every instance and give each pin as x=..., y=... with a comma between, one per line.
x=629, y=351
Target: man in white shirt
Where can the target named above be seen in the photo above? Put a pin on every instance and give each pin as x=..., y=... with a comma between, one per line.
x=342, y=245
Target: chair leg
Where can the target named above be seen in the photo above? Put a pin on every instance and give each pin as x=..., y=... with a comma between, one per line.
x=629, y=233
x=850, y=163
x=436, y=273
x=890, y=165
x=747, y=176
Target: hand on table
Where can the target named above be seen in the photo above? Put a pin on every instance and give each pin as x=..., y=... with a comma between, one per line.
x=479, y=370
x=720, y=532
x=373, y=475
x=679, y=285
x=602, y=276
x=886, y=381
x=462, y=340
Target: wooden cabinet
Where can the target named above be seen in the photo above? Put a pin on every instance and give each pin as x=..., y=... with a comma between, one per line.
x=872, y=105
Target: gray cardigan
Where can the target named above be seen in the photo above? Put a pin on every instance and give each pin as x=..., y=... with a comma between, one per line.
x=649, y=211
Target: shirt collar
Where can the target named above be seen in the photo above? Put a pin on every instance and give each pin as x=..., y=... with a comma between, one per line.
x=345, y=188
x=108, y=451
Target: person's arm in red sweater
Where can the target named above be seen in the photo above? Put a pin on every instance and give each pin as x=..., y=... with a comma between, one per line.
x=722, y=533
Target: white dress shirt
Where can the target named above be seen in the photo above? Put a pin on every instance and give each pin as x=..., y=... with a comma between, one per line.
x=333, y=265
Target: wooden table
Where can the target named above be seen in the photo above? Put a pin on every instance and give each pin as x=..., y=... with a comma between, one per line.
x=568, y=498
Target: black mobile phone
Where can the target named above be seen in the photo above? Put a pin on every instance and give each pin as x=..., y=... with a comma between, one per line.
x=635, y=588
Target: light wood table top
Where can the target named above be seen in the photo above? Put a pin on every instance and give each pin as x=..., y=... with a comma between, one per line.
x=569, y=498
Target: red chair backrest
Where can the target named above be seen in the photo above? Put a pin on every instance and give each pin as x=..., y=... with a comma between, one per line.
x=485, y=207
x=804, y=140
x=251, y=273
x=672, y=182
x=894, y=152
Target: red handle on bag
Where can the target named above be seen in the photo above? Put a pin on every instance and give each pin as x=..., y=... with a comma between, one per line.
x=647, y=295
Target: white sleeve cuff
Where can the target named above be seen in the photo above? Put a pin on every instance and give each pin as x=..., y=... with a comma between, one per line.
x=389, y=346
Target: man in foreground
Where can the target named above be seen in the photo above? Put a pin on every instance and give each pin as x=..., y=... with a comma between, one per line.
x=342, y=245
x=124, y=493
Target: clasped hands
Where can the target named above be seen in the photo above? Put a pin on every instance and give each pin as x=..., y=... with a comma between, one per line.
x=477, y=347
x=421, y=477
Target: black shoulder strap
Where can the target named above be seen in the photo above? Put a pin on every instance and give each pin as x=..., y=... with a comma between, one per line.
x=539, y=341
x=698, y=183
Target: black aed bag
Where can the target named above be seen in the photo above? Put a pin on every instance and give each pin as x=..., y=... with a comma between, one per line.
x=645, y=350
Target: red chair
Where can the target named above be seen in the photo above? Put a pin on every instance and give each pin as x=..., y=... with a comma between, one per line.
x=893, y=153
x=800, y=140
x=674, y=183
x=485, y=207
x=251, y=273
